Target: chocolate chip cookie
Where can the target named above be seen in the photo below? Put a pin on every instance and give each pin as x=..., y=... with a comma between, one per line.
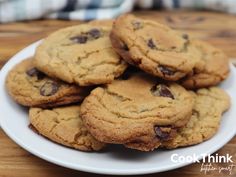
x=64, y=126
x=205, y=120
x=155, y=48
x=30, y=87
x=216, y=67
x=80, y=54
x=139, y=112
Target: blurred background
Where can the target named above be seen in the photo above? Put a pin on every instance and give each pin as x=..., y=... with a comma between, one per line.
x=18, y=10
x=25, y=21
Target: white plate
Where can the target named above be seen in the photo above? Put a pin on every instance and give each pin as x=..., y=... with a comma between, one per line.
x=115, y=160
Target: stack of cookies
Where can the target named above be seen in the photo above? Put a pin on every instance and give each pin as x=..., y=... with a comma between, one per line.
x=133, y=82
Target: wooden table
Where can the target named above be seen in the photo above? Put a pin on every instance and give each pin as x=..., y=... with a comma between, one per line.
x=216, y=28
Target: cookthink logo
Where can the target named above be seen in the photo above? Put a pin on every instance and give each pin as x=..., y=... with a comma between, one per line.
x=209, y=162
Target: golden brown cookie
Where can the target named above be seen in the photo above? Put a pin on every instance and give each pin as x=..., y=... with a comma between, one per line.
x=205, y=120
x=216, y=67
x=64, y=126
x=139, y=112
x=80, y=54
x=30, y=87
x=155, y=48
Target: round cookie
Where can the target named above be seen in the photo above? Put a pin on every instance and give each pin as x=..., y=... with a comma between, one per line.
x=139, y=112
x=216, y=67
x=64, y=126
x=155, y=48
x=205, y=120
x=80, y=54
x=29, y=87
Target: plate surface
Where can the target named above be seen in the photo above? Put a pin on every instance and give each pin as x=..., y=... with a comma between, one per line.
x=116, y=159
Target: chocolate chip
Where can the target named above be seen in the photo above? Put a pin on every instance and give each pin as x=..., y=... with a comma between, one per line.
x=125, y=47
x=31, y=72
x=82, y=39
x=94, y=33
x=161, y=90
x=165, y=70
x=185, y=36
x=40, y=75
x=137, y=25
x=49, y=88
x=34, y=72
x=151, y=44
x=163, y=133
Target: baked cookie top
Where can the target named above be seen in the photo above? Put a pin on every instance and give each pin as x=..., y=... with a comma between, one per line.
x=155, y=48
x=64, y=126
x=137, y=110
x=30, y=87
x=216, y=67
x=205, y=120
x=80, y=54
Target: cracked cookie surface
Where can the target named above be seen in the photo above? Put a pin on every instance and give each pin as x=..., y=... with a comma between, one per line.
x=80, y=54
x=205, y=120
x=64, y=126
x=138, y=112
x=216, y=67
x=30, y=87
x=154, y=48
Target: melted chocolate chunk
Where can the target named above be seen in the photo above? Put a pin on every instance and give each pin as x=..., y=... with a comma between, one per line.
x=82, y=39
x=49, y=88
x=34, y=72
x=162, y=133
x=125, y=47
x=161, y=90
x=94, y=33
x=166, y=71
x=151, y=44
x=185, y=36
x=137, y=25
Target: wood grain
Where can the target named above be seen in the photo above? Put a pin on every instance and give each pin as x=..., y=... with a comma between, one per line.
x=216, y=28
